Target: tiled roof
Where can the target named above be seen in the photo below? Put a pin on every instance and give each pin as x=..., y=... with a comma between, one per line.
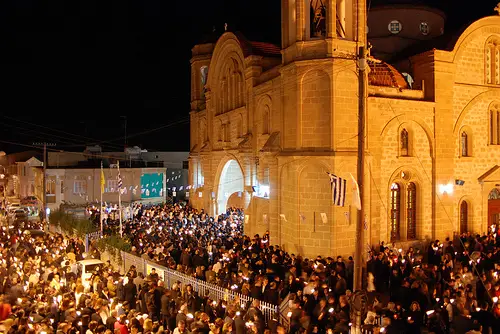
x=383, y=74
x=266, y=48
x=258, y=48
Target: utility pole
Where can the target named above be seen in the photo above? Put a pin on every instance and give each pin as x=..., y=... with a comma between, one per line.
x=358, y=256
x=125, y=126
x=44, y=144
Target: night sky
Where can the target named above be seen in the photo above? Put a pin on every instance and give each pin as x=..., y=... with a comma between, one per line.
x=71, y=69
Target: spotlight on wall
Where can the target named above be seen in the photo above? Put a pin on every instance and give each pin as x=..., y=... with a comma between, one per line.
x=459, y=182
x=446, y=188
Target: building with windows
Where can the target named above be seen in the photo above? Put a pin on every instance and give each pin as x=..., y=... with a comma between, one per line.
x=83, y=185
x=72, y=176
x=269, y=122
x=22, y=174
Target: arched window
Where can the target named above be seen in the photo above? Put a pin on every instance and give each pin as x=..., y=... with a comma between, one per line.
x=495, y=123
x=411, y=212
x=464, y=144
x=492, y=62
x=404, y=143
x=317, y=18
x=395, y=211
x=464, y=216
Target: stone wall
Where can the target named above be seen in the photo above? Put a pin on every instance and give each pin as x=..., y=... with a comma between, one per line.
x=312, y=129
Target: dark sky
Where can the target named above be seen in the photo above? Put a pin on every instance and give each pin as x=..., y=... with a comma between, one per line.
x=70, y=69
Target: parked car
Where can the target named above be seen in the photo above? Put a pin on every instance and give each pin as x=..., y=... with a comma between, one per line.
x=13, y=206
x=20, y=215
x=87, y=267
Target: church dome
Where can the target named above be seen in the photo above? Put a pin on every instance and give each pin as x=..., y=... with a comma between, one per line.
x=383, y=74
x=395, y=25
x=412, y=3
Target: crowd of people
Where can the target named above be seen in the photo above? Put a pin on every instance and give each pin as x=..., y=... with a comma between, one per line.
x=450, y=286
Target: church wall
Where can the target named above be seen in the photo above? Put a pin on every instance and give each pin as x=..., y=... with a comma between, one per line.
x=470, y=99
x=387, y=119
x=311, y=129
x=482, y=157
x=290, y=83
x=316, y=111
x=470, y=56
x=345, y=105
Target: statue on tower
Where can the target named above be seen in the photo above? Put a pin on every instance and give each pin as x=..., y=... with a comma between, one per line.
x=318, y=18
x=497, y=8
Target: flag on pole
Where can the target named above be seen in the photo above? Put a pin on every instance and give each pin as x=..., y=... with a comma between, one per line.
x=356, y=200
x=103, y=181
x=120, y=181
x=338, y=189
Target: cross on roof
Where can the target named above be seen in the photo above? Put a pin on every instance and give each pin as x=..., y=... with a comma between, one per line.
x=497, y=8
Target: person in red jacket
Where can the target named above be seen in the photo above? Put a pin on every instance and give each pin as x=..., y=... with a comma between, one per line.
x=5, y=310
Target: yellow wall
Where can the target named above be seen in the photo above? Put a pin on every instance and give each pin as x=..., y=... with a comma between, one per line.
x=313, y=106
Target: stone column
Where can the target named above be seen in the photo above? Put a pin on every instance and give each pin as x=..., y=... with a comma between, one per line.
x=341, y=14
x=331, y=19
x=302, y=11
x=273, y=214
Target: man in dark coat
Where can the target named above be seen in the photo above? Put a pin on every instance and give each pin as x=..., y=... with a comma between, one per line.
x=130, y=293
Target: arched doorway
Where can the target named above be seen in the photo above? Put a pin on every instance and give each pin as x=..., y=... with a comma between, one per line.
x=231, y=184
x=494, y=208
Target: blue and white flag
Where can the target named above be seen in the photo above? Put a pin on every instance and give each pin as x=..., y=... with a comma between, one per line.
x=339, y=186
x=120, y=181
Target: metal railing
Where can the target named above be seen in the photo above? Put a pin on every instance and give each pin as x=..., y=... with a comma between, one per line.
x=203, y=288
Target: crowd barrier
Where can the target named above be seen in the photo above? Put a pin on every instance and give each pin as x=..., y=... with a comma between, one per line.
x=271, y=312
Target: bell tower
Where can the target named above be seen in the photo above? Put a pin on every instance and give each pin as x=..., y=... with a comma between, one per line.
x=314, y=24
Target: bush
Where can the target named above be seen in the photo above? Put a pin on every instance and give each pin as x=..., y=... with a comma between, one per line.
x=70, y=224
x=113, y=245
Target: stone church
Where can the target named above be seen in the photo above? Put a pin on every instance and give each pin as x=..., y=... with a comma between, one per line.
x=269, y=122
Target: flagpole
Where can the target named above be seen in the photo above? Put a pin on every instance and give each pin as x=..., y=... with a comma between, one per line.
x=358, y=255
x=101, y=186
x=120, y=199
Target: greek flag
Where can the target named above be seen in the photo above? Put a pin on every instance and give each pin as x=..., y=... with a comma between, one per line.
x=120, y=181
x=339, y=186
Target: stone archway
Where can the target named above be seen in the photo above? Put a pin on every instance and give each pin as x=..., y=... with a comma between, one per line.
x=230, y=187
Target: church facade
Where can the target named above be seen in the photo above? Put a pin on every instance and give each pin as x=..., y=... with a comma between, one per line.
x=269, y=122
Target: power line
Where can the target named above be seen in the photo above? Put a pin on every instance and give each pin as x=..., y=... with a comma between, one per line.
x=96, y=142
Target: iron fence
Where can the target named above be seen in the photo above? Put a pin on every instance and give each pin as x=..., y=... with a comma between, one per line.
x=215, y=292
